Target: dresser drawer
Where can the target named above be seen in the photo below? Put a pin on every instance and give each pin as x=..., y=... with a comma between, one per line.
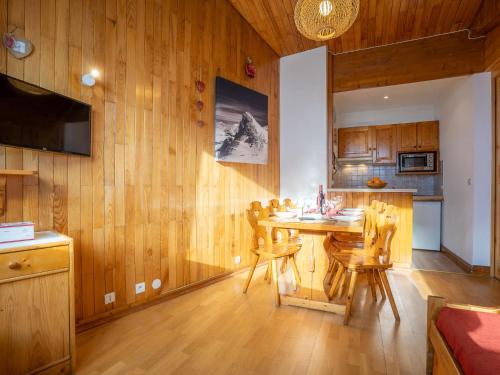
x=29, y=262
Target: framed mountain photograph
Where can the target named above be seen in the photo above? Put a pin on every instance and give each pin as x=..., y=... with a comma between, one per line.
x=241, y=124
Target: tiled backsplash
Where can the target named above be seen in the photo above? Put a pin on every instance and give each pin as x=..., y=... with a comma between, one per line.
x=356, y=176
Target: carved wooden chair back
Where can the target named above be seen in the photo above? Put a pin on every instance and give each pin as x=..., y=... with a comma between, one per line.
x=255, y=213
x=274, y=206
x=370, y=227
x=387, y=225
x=288, y=203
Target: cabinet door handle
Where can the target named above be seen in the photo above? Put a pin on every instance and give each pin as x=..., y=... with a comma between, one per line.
x=14, y=265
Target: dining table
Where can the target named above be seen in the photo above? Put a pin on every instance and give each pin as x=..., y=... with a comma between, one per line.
x=312, y=260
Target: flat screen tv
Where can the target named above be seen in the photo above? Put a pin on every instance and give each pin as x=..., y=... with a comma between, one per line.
x=36, y=118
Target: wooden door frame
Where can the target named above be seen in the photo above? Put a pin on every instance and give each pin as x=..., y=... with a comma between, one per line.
x=495, y=191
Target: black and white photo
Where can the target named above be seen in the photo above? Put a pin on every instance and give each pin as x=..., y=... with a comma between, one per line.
x=241, y=124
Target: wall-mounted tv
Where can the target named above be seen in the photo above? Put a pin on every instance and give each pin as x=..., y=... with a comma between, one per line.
x=36, y=118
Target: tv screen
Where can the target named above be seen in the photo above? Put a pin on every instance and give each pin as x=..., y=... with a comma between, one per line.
x=37, y=118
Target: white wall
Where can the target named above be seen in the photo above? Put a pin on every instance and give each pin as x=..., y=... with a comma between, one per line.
x=385, y=116
x=303, y=123
x=465, y=135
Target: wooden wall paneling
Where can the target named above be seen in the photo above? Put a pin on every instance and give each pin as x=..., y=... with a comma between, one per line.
x=151, y=202
x=492, y=51
x=379, y=22
x=444, y=56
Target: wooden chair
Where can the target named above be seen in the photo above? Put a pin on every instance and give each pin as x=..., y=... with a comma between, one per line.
x=281, y=234
x=364, y=246
x=342, y=240
x=267, y=246
x=373, y=262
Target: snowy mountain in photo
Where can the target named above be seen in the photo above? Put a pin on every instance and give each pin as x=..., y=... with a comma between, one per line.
x=242, y=142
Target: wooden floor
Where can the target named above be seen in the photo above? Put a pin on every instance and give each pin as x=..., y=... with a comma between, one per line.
x=218, y=330
x=434, y=261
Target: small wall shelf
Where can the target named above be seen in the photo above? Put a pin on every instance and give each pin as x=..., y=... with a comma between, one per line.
x=17, y=172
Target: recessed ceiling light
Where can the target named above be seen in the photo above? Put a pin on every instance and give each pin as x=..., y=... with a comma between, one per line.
x=386, y=97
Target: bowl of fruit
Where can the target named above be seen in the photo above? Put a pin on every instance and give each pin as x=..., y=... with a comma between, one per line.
x=376, y=183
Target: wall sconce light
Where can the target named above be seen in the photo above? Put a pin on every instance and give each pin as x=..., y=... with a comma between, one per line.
x=88, y=79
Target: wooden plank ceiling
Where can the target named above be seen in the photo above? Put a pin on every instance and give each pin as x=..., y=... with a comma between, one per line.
x=379, y=22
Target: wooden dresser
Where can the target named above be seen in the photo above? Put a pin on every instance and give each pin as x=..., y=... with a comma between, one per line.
x=37, y=326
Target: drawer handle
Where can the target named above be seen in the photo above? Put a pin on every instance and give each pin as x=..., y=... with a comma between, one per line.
x=14, y=265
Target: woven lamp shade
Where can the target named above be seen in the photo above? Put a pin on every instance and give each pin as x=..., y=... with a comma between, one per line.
x=325, y=19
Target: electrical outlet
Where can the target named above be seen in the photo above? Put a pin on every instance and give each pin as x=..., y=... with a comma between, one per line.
x=109, y=298
x=237, y=259
x=140, y=288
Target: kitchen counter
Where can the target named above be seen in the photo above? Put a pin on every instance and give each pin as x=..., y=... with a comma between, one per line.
x=428, y=198
x=368, y=190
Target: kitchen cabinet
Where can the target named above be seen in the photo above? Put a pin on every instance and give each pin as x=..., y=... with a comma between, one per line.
x=355, y=142
x=37, y=328
x=376, y=144
x=420, y=136
x=428, y=136
x=407, y=137
x=380, y=144
x=384, y=144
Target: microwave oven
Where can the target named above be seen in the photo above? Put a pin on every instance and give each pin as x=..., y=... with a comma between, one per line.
x=417, y=162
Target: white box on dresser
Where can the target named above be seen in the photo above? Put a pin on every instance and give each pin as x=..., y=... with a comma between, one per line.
x=13, y=232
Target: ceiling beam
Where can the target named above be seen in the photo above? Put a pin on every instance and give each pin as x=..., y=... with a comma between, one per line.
x=425, y=59
x=487, y=18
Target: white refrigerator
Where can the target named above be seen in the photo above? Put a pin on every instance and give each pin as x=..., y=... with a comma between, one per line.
x=427, y=225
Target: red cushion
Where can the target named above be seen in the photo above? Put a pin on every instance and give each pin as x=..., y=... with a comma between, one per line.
x=474, y=338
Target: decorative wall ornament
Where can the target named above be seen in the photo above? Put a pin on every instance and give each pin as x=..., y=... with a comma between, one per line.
x=200, y=86
x=325, y=19
x=241, y=124
x=250, y=68
x=17, y=47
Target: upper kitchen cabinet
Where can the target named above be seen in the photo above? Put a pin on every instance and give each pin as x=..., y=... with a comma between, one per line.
x=375, y=144
x=420, y=136
x=428, y=136
x=355, y=143
x=407, y=137
x=383, y=140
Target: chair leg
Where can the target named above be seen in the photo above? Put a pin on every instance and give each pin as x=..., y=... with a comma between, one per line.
x=342, y=284
x=284, y=265
x=268, y=273
x=276, y=289
x=270, y=267
x=250, y=273
x=332, y=271
x=350, y=296
x=385, y=281
x=295, y=270
x=371, y=281
x=336, y=280
x=379, y=283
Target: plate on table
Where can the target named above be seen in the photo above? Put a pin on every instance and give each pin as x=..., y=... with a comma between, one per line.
x=285, y=214
x=353, y=210
x=311, y=217
x=347, y=218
